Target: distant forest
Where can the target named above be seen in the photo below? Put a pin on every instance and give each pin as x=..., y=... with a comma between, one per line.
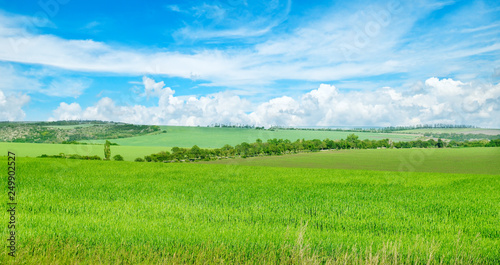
x=379, y=130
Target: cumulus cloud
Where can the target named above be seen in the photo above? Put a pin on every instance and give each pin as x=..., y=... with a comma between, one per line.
x=438, y=101
x=222, y=107
x=151, y=88
x=11, y=106
x=68, y=111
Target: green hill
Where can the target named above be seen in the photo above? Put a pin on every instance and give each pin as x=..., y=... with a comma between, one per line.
x=210, y=137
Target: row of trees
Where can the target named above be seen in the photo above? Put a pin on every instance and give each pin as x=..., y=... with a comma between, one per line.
x=280, y=147
x=462, y=136
x=370, y=129
x=379, y=130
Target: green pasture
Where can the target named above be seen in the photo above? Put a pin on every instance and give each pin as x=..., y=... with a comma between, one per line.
x=208, y=137
x=108, y=212
x=473, y=160
x=129, y=153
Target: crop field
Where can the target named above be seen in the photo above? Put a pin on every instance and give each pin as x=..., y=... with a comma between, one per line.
x=129, y=153
x=207, y=137
x=446, y=160
x=108, y=212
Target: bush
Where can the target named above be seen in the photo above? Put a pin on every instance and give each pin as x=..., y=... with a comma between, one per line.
x=95, y=157
x=118, y=158
x=139, y=159
x=75, y=156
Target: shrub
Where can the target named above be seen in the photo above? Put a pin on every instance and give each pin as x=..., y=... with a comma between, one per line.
x=118, y=158
x=139, y=159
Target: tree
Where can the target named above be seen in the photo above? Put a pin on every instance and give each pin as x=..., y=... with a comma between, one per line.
x=195, y=151
x=440, y=143
x=351, y=138
x=107, y=150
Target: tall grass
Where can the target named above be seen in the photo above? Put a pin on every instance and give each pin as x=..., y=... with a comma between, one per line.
x=106, y=212
x=473, y=160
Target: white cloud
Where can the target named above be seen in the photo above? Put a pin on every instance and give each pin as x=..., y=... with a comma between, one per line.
x=66, y=87
x=278, y=111
x=66, y=111
x=11, y=106
x=234, y=20
x=151, y=88
x=14, y=80
x=331, y=45
x=30, y=80
x=216, y=108
x=174, y=8
x=439, y=101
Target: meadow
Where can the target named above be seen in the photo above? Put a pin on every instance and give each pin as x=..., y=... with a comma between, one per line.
x=129, y=153
x=209, y=137
x=473, y=160
x=180, y=136
x=109, y=212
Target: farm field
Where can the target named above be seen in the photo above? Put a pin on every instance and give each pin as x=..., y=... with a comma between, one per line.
x=208, y=137
x=110, y=212
x=129, y=153
x=474, y=160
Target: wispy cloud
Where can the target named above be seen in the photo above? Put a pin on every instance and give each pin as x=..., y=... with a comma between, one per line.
x=372, y=41
x=66, y=87
x=234, y=20
x=174, y=8
x=469, y=30
x=91, y=25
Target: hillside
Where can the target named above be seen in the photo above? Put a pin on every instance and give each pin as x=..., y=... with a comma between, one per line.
x=70, y=131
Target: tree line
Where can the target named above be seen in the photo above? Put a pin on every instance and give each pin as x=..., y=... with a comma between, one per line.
x=461, y=136
x=278, y=147
x=284, y=146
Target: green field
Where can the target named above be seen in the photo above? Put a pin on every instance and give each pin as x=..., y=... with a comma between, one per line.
x=447, y=160
x=209, y=137
x=107, y=212
x=129, y=153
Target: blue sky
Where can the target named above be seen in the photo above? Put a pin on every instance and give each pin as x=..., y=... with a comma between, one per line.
x=290, y=63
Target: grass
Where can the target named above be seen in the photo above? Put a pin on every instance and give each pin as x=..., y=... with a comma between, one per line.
x=129, y=153
x=106, y=212
x=479, y=160
x=207, y=137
